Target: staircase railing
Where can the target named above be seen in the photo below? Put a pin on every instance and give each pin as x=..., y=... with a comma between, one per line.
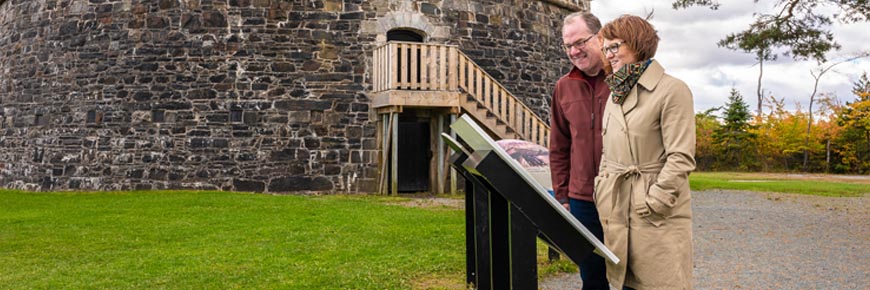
x=422, y=66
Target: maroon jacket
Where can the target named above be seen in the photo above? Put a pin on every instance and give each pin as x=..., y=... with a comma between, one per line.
x=575, y=134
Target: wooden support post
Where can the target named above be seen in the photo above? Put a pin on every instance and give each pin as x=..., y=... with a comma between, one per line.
x=386, y=137
x=452, y=170
x=394, y=155
x=440, y=176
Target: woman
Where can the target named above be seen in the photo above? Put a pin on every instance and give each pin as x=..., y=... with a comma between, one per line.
x=642, y=189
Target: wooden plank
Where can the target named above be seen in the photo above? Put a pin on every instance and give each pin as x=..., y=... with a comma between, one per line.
x=390, y=68
x=403, y=64
x=487, y=93
x=504, y=97
x=415, y=85
x=512, y=114
x=530, y=124
x=496, y=101
x=478, y=87
x=433, y=73
x=385, y=69
x=533, y=128
x=394, y=66
x=424, y=73
x=546, y=134
x=522, y=121
x=451, y=69
x=463, y=74
x=375, y=68
x=442, y=69
x=410, y=98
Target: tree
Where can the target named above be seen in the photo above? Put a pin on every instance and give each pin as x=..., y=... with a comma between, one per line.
x=817, y=76
x=855, y=120
x=733, y=137
x=829, y=108
x=705, y=151
x=799, y=28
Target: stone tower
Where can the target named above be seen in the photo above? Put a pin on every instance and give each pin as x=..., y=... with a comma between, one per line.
x=246, y=95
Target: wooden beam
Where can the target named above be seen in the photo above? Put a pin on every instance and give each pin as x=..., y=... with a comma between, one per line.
x=416, y=99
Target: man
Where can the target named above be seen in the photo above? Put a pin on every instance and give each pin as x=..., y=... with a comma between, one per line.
x=575, y=132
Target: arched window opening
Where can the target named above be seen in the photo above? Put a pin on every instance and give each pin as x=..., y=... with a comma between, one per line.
x=404, y=35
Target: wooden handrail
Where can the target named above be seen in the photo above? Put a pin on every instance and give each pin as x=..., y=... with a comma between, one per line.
x=423, y=66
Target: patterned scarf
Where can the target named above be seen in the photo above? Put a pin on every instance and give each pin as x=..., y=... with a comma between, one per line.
x=624, y=79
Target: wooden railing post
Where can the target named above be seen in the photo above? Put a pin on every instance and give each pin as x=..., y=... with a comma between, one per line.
x=452, y=70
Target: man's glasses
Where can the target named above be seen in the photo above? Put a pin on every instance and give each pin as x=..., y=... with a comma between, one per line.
x=613, y=48
x=577, y=44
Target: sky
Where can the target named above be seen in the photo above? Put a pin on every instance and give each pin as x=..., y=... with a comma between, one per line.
x=688, y=51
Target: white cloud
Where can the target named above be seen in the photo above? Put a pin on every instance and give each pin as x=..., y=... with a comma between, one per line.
x=688, y=51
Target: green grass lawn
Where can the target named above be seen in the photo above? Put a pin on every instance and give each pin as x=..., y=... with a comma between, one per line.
x=225, y=240
x=222, y=240
x=814, y=184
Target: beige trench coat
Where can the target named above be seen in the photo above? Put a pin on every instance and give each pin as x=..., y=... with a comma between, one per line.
x=642, y=190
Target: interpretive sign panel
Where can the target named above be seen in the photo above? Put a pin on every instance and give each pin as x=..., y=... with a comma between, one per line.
x=506, y=209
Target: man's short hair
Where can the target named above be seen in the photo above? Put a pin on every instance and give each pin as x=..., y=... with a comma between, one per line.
x=591, y=20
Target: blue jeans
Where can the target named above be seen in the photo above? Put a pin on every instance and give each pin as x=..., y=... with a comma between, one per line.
x=592, y=269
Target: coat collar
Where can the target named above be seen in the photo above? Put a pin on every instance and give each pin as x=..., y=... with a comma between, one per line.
x=648, y=80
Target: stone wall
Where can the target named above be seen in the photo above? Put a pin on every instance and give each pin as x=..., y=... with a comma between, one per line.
x=247, y=95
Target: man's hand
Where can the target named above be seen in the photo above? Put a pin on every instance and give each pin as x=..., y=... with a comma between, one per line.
x=567, y=206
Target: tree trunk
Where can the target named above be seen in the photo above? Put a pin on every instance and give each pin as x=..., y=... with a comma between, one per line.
x=760, y=73
x=828, y=156
x=810, y=125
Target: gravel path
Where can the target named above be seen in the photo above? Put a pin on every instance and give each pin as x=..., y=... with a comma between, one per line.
x=750, y=240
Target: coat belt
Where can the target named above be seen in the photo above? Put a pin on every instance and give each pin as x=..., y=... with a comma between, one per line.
x=639, y=175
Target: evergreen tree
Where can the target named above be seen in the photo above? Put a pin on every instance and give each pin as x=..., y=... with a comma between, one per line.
x=735, y=142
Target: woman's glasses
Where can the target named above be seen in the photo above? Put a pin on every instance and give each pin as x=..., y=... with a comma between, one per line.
x=613, y=48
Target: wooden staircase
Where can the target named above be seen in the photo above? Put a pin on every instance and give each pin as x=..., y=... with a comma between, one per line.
x=432, y=75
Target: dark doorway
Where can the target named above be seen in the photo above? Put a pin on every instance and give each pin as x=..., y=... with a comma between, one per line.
x=404, y=35
x=415, y=154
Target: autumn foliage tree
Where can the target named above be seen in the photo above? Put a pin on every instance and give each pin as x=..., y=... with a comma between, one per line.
x=705, y=124
x=838, y=140
x=854, y=142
